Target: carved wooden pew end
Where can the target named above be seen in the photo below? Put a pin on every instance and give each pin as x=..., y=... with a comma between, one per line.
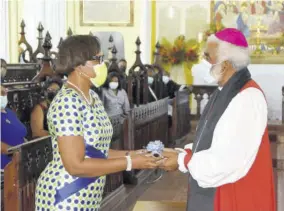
x=21, y=174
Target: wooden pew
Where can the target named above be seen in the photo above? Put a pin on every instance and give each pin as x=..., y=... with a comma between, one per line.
x=137, y=80
x=22, y=93
x=181, y=116
x=21, y=174
x=276, y=135
x=114, y=181
x=150, y=123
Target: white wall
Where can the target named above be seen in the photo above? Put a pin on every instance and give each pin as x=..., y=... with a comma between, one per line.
x=4, y=31
x=271, y=80
x=145, y=32
x=50, y=14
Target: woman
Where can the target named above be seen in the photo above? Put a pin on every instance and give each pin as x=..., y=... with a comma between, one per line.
x=12, y=130
x=38, y=116
x=81, y=133
x=115, y=98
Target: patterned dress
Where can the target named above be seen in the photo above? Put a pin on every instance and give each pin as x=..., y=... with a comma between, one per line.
x=70, y=115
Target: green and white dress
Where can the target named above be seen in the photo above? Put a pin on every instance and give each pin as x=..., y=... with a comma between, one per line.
x=70, y=115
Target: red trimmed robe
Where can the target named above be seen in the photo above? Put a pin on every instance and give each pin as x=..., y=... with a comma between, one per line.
x=248, y=183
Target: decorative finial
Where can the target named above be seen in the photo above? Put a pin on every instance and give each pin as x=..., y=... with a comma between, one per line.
x=69, y=32
x=40, y=27
x=23, y=24
x=158, y=45
x=47, y=43
x=114, y=50
x=47, y=36
x=110, y=39
x=60, y=42
x=138, y=42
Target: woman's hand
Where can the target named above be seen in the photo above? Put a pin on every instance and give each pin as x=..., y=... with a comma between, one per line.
x=137, y=152
x=145, y=161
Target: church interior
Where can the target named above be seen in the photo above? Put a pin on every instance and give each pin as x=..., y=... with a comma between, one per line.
x=154, y=49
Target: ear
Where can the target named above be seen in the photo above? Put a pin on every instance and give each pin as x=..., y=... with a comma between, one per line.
x=226, y=65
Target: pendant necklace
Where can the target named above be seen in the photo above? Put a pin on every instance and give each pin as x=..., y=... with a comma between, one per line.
x=82, y=93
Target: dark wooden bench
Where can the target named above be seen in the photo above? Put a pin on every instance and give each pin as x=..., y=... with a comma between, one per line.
x=180, y=116
x=21, y=174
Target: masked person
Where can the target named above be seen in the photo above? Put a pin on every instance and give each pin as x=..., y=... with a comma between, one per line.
x=169, y=90
x=229, y=164
x=13, y=132
x=122, y=65
x=115, y=98
x=151, y=94
x=39, y=114
x=81, y=133
x=170, y=87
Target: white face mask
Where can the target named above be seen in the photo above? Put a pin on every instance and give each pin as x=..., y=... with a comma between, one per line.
x=210, y=77
x=166, y=79
x=150, y=80
x=4, y=102
x=113, y=85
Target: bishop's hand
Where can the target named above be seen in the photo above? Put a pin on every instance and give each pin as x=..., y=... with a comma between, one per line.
x=170, y=161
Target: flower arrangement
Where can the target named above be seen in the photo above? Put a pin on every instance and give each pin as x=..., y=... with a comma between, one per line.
x=180, y=51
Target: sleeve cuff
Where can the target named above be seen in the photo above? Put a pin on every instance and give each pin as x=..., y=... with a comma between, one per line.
x=181, y=87
x=188, y=146
x=181, y=165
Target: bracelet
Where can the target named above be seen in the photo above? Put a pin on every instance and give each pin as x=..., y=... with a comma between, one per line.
x=129, y=163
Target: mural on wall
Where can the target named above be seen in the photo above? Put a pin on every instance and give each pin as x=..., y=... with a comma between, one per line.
x=262, y=22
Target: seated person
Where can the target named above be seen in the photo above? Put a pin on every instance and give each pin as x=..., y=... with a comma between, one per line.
x=115, y=98
x=13, y=132
x=170, y=87
x=38, y=116
x=151, y=94
x=169, y=90
x=122, y=65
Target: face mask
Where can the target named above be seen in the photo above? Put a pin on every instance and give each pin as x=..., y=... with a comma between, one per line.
x=150, y=80
x=4, y=102
x=122, y=68
x=209, y=77
x=166, y=79
x=101, y=74
x=113, y=85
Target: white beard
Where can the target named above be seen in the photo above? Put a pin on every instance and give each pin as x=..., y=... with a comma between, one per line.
x=217, y=72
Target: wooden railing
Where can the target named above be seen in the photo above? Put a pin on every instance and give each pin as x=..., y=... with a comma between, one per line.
x=201, y=93
x=180, y=116
x=21, y=174
x=114, y=181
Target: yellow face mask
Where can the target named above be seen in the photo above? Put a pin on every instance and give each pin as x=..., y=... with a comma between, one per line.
x=101, y=75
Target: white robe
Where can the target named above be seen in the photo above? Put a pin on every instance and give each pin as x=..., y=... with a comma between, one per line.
x=236, y=140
